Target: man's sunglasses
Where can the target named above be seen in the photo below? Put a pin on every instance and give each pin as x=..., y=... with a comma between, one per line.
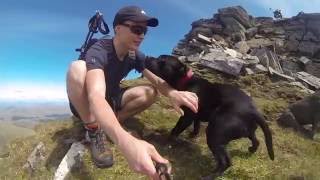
x=136, y=29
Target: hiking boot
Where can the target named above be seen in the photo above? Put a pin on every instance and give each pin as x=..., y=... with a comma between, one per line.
x=100, y=148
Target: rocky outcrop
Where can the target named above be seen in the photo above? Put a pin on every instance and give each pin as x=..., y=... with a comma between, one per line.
x=283, y=47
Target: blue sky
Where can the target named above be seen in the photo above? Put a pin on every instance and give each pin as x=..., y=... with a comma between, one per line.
x=38, y=37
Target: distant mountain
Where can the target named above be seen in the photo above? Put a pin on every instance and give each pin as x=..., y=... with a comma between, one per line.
x=17, y=118
x=27, y=114
x=15, y=111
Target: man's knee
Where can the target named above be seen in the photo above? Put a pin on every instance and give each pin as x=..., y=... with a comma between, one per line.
x=144, y=94
x=151, y=93
x=77, y=69
x=76, y=89
x=76, y=73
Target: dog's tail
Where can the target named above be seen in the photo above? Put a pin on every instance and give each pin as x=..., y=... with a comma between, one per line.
x=267, y=134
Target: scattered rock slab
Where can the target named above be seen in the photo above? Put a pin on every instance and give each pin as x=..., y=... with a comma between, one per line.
x=35, y=158
x=283, y=76
x=309, y=79
x=300, y=85
x=231, y=66
x=73, y=157
x=304, y=60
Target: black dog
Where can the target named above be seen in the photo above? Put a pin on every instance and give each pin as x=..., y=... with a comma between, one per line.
x=230, y=113
x=303, y=112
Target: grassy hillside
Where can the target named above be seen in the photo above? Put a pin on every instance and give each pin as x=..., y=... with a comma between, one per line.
x=9, y=131
x=295, y=156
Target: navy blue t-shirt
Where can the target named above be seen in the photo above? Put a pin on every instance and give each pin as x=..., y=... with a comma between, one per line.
x=102, y=55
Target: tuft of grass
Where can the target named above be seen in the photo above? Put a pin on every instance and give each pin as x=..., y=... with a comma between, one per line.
x=271, y=108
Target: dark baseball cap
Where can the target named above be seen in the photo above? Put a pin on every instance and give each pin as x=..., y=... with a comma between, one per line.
x=135, y=14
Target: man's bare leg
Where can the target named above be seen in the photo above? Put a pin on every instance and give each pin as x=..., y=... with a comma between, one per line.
x=135, y=100
x=77, y=91
x=101, y=153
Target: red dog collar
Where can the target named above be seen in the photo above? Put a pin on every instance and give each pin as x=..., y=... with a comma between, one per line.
x=185, y=79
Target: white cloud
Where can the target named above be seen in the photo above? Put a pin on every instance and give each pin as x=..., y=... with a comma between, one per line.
x=33, y=92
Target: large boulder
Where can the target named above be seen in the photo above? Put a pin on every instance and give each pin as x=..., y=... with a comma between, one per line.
x=222, y=61
x=251, y=32
x=308, y=48
x=257, y=43
x=292, y=45
x=199, y=30
x=313, y=68
x=309, y=36
x=312, y=21
x=238, y=13
x=290, y=67
x=263, y=20
x=236, y=21
x=211, y=24
x=242, y=47
x=231, y=25
x=314, y=26
x=295, y=35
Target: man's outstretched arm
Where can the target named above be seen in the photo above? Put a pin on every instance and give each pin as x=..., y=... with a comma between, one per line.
x=138, y=153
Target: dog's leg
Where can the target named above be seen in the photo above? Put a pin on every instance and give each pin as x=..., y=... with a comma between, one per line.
x=196, y=128
x=223, y=159
x=181, y=125
x=315, y=125
x=314, y=129
x=218, y=157
x=254, y=141
x=227, y=159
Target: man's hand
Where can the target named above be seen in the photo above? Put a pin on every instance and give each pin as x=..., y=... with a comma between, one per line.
x=183, y=98
x=140, y=156
x=177, y=98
